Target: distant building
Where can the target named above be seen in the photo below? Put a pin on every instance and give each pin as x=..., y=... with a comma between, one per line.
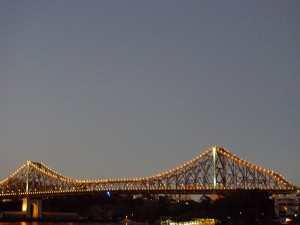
x=287, y=206
x=179, y=197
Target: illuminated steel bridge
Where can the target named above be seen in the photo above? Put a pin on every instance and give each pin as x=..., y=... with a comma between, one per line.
x=214, y=171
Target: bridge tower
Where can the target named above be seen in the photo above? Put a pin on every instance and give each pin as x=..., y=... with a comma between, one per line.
x=31, y=207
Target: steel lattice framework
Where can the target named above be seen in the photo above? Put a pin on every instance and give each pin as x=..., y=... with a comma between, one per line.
x=214, y=171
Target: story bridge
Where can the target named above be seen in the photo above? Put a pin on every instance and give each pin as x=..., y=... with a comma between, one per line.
x=215, y=171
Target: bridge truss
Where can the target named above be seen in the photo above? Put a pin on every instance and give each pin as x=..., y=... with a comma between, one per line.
x=214, y=171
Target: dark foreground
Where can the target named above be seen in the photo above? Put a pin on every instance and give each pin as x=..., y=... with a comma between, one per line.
x=235, y=208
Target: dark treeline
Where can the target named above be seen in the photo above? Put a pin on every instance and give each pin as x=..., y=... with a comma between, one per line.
x=238, y=207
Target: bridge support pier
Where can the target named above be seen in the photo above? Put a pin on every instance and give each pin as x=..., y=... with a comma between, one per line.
x=32, y=208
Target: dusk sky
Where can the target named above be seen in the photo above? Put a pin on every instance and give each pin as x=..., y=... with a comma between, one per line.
x=123, y=89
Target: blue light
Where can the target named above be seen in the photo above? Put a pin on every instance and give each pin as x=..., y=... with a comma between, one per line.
x=108, y=193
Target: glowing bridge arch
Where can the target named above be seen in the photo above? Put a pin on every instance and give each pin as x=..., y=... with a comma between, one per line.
x=214, y=171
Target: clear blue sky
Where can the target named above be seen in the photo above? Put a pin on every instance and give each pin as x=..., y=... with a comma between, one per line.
x=121, y=89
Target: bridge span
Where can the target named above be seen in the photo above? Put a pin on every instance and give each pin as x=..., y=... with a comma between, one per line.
x=216, y=170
